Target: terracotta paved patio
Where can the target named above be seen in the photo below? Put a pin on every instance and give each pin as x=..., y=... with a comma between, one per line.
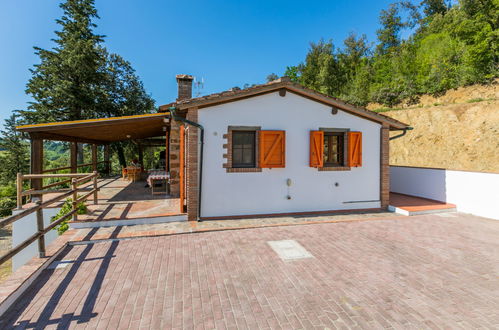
x=428, y=271
x=121, y=199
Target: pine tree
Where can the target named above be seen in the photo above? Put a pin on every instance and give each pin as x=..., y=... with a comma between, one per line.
x=63, y=84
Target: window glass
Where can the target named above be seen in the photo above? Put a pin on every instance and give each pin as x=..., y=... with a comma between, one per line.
x=333, y=149
x=243, y=148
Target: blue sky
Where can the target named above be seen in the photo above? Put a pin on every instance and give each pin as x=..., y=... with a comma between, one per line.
x=228, y=43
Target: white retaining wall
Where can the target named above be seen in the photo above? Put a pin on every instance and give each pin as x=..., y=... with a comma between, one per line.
x=472, y=192
x=24, y=228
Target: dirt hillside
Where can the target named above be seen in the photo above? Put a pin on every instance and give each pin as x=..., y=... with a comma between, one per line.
x=458, y=130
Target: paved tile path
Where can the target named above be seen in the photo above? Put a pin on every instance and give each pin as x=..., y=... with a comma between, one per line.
x=426, y=272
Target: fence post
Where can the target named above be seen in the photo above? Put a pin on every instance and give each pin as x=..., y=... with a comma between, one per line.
x=95, y=187
x=40, y=226
x=19, y=191
x=74, y=187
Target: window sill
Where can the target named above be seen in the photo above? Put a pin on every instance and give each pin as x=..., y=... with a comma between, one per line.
x=243, y=169
x=334, y=168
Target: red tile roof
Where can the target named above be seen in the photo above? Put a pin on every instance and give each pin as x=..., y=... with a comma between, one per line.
x=281, y=83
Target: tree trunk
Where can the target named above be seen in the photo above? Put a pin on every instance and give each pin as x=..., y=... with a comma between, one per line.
x=121, y=154
x=80, y=153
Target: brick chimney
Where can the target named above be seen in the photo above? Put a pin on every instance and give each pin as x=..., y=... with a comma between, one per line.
x=184, y=82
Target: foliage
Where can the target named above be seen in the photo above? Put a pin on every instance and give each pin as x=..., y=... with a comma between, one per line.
x=121, y=93
x=272, y=77
x=7, y=204
x=76, y=79
x=14, y=157
x=65, y=209
x=449, y=47
x=63, y=84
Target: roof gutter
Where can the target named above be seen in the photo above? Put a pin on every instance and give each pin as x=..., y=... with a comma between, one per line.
x=404, y=131
x=201, y=128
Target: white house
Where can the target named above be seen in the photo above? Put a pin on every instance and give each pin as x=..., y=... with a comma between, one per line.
x=276, y=149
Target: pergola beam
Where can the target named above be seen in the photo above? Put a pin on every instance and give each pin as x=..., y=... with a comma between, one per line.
x=58, y=137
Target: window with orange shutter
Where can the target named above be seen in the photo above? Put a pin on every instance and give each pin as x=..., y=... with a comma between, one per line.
x=335, y=149
x=272, y=151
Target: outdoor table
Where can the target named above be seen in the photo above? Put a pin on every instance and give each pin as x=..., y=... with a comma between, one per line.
x=157, y=175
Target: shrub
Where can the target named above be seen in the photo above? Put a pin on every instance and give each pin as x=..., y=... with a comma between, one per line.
x=6, y=206
x=65, y=209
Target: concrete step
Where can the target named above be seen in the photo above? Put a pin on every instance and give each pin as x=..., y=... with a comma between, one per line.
x=127, y=222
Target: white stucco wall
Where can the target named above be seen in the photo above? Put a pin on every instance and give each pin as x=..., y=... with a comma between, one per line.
x=471, y=192
x=24, y=228
x=225, y=194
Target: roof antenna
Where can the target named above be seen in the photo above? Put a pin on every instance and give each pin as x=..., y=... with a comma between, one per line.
x=198, y=86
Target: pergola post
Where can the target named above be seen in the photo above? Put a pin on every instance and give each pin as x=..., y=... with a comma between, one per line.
x=36, y=184
x=107, y=162
x=36, y=164
x=167, y=151
x=141, y=155
x=94, y=157
x=73, y=157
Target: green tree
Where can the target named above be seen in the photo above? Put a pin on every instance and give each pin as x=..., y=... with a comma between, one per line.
x=321, y=70
x=449, y=46
x=432, y=7
x=14, y=156
x=63, y=84
x=121, y=93
x=272, y=77
x=389, y=33
x=293, y=72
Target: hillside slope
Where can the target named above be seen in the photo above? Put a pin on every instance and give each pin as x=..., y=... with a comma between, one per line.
x=459, y=130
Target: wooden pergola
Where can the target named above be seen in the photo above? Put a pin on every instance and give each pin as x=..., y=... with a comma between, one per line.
x=95, y=132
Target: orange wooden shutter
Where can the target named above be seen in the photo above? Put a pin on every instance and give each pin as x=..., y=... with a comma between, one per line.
x=316, y=148
x=272, y=149
x=354, y=149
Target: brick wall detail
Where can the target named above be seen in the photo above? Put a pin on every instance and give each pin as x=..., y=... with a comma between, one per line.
x=174, y=158
x=192, y=166
x=227, y=146
x=385, y=166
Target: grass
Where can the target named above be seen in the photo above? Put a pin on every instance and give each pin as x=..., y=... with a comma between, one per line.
x=387, y=109
x=5, y=270
x=479, y=99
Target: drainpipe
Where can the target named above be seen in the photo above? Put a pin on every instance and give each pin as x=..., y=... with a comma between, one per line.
x=404, y=131
x=201, y=128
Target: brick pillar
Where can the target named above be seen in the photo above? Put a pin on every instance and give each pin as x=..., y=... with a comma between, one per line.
x=192, y=166
x=174, y=155
x=385, y=166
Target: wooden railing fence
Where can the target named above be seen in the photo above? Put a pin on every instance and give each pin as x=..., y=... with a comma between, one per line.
x=76, y=179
